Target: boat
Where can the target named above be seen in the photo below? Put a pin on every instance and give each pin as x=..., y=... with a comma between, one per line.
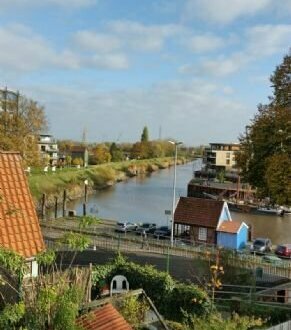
x=270, y=211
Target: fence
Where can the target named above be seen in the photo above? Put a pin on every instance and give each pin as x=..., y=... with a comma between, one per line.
x=106, y=238
x=282, y=326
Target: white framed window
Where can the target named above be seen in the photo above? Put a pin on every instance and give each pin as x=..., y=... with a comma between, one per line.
x=202, y=234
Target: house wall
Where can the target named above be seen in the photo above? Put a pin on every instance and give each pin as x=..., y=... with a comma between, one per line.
x=242, y=237
x=211, y=235
x=227, y=240
x=233, y=241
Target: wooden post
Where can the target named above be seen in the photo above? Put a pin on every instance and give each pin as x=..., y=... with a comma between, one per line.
x=43, y=206
x=56, y=207
x=64, y=202
x=90, y=282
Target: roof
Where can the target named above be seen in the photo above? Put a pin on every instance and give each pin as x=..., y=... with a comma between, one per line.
x=104, y=318
x=78, y=149
x=19, y=226
x=198, y=211
x=231, y=227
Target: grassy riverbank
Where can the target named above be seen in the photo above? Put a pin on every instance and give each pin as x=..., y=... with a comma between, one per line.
x=99, y=176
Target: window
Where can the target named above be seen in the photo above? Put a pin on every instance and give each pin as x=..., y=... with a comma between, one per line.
x=228, y=155
x=227, y=162
x=202, y=234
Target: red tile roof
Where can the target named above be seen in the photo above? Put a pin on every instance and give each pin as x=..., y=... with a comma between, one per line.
x=231, y=227
x=104, y=318
x=19, y=226
x=198, y=211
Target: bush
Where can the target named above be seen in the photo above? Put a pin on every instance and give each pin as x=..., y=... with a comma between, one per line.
x=169, y=296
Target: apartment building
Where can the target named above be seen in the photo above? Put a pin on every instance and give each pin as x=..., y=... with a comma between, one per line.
x=48, y=148
x=221, y=156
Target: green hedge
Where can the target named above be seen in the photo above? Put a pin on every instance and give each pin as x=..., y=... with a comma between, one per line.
x=170, y=297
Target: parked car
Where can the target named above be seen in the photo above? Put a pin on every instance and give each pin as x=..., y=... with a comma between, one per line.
x=162, y=232
x=283, y=251
x=261, y=245
x=149, y=228
x=273, y=260
x=123, y=227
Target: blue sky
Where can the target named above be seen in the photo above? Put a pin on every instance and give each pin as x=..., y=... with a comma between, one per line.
x=192, y=70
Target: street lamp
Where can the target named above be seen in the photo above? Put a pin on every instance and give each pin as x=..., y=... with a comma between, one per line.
x=174, y=189
x=86, y=182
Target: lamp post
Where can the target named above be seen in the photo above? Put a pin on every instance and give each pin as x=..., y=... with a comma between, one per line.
x=86, y=182
x=174, y=189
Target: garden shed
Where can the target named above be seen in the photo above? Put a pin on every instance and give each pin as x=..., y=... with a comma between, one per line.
x=232, y=234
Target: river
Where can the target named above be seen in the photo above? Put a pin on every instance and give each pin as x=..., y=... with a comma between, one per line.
x=145, y=199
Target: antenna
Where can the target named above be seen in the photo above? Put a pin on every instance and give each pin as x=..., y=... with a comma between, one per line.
x=84, y=136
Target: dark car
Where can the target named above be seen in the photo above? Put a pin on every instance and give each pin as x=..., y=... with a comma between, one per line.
x=162, y=232
x=283, y=251
x=149, y=228
x=261, y=245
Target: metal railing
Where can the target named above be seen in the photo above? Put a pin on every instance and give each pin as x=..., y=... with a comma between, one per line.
x=130, y=242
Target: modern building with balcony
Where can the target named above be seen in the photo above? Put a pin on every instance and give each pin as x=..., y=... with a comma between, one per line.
x=221, y=156
x=48, y=148
x=9, y=100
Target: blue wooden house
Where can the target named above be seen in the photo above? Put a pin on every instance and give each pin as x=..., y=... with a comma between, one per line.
x=232, y=234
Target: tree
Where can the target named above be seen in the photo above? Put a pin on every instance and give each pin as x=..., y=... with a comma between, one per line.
x=267, y=137
x=101, y=154
x=278, y=174
x=116, y=153
x=20, y=126
x=281, y=81
x=145, y=135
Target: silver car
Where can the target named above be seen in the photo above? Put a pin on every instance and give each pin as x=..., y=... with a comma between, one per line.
x=123, y=227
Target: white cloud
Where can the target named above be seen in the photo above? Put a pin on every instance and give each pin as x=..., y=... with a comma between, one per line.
x=266, y=40
x=25, y=51
x=94, y=41
x=107, y=61
x=203, y=43
x=144, y=37
x=219, y=67
x=223, y=11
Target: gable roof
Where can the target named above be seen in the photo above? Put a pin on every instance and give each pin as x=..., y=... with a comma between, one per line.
x=231, y=227
x=19, y=226
x=198, y=211
x=104, y=318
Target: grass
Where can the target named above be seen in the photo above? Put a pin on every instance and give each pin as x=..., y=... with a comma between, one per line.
x=99, y=176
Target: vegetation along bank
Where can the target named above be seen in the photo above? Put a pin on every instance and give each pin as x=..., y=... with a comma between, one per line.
x=98, y=177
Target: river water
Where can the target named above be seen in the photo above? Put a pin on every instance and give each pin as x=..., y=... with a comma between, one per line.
x=145, y=199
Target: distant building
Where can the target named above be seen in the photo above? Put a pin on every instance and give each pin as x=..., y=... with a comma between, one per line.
x=48, y=148
x=80, y=152
x=9, y=100
x=221, y=156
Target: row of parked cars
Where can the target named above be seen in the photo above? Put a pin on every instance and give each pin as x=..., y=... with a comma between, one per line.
x=264, y=246
x=148, y=228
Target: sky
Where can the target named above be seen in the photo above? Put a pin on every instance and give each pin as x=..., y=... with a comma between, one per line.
x=189, y=70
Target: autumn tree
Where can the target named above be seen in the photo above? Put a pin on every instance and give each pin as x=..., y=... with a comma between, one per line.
x=20, y=125
x=266, y=141
x=101, y=154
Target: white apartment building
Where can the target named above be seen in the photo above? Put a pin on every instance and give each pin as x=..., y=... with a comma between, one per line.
x=48, y=148
x=221, y=156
